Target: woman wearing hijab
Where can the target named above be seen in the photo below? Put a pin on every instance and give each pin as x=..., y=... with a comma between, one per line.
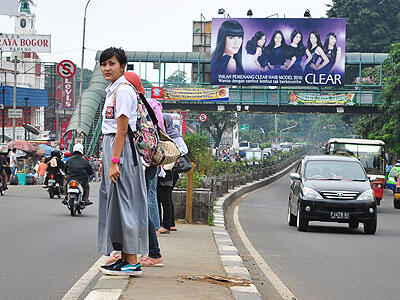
x=166, y=184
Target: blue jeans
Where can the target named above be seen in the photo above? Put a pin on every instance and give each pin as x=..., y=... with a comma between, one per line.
x=152, y=203
x=151, y=176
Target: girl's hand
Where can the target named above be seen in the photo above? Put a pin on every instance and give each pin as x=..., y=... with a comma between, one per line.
x=114, y=172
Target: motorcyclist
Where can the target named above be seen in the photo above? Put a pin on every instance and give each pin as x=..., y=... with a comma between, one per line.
x=54, y=166
x=78, y=168
x=3, y=165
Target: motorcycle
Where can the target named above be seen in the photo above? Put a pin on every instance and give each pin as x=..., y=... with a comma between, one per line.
x=54, y=187
x=75, y=202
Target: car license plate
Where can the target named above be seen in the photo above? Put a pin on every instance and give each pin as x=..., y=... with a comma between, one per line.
x=339, y=215
x=73, y=191
x=52, y=180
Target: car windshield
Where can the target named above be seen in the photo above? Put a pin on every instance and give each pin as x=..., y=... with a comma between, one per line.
x=254, y=145
x=243, y=144
x=334, y=170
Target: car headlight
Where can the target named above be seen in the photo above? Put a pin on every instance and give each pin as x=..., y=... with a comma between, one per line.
x=367, y=195
x=311, y=194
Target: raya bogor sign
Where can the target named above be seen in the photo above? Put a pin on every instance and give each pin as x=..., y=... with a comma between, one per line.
x=25, y=43
x=278, y=52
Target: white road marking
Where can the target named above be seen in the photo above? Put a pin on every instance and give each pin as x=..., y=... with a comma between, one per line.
x=281, y=288
x=78, y=288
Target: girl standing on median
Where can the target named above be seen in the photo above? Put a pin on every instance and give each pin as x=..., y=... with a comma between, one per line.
x=122, y=196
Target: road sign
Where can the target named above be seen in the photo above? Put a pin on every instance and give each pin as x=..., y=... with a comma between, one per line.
x=203, y=117
x=66, y=69
x=15, y=113
x=244, y=127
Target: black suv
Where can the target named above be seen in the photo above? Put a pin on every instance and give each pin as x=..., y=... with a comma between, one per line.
x=331, y=189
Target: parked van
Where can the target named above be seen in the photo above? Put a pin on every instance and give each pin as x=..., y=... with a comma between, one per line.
x=243, y=147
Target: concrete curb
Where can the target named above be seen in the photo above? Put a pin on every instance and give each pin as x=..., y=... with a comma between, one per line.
x=229, y=255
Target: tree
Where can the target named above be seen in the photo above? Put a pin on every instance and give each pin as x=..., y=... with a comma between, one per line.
x=386, y=126
x=87, y=75
x=217, y=123
x=371, y=25
x=177, y=77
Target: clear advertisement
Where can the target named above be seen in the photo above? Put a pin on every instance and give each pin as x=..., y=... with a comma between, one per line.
x=278, y=52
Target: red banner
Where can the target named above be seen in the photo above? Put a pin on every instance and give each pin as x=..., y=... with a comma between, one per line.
x=68, y=92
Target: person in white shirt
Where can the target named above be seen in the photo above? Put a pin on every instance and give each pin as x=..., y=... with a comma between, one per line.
x=123, y=219
x=13, y=161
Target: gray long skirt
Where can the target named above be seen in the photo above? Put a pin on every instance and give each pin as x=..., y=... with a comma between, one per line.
x=123, y=205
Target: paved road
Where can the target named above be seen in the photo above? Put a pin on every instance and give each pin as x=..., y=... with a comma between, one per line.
x=331, y=261
x=44, y=250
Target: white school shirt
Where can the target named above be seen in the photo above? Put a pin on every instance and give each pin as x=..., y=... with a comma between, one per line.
x=126, y=104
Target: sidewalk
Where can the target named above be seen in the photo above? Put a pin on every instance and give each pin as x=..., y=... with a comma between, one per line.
x=190, y=251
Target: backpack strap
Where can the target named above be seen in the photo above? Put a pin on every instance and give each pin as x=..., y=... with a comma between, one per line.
x=130, y=132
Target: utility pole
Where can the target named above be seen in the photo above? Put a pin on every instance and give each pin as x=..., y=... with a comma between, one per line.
x=15, y=95
x=26, y=118
x=4, y=104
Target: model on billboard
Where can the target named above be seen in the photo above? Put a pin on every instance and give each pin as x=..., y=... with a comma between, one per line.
x=333, y=53
x=256, y=50
x=314, y=52
x=296, y=51
x=227, y=55
x=276, y=52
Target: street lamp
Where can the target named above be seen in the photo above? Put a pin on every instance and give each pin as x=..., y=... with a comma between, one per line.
x=249, y=13
x=81, y=75
x=287, y=128
x=307, y=14
x=221, y=11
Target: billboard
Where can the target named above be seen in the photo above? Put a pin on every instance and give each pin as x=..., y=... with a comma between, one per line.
x=278, y=52
x=9, y=7
x=68, y=92
x=190, y=94
x=321, y=98
x=25, y=43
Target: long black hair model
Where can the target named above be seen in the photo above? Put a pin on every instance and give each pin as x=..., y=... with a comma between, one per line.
x=271, y=44
x=316, y=33
x=326, y=44
x=251, y=45
x=228, y=28
x=300, y=45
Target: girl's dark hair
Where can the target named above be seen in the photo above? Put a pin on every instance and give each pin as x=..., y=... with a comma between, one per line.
x=251, y=45
x=326, y=44
x=228, y=28
x=300, y=45
x=316, y=33
x=117, y=52
x=271, y=44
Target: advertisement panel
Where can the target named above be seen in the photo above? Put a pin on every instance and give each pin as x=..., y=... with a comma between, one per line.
x=321, y=98
x=68, y=92
x=9, y=7
x=278, y=52
x=25, y=43
x=190, y=94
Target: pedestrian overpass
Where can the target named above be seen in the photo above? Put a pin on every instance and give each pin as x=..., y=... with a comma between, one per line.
x=366, y=98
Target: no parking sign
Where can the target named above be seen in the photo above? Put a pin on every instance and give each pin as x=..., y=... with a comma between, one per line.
x=66, y=69
x=203, y=117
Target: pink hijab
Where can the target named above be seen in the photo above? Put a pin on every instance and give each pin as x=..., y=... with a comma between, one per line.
x=133, y=78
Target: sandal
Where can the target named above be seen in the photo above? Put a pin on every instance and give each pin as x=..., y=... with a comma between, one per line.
x=114, y=259
x=146, y=262
x=173, y=229
x=164, y=231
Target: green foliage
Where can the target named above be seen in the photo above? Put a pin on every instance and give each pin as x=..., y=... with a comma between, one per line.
x=217, y=123
x=265, y=145
x=197, y=181
x=386, y=126
x=197, y=143
x=211, y=220
x=371, y=25
x=87, y=75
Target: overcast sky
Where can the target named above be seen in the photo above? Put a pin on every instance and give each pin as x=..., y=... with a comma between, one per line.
x=155, y=25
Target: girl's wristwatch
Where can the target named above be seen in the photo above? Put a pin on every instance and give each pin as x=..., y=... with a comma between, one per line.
x=115, y=160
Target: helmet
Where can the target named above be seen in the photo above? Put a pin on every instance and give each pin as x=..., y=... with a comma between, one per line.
x=67, y=153
x=56, y=153
x=78, y=148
